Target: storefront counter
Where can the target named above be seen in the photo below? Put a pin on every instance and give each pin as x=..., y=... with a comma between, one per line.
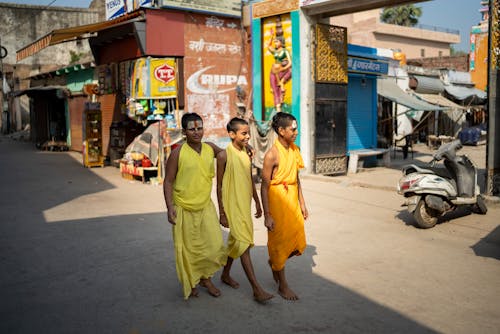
x=129, y=170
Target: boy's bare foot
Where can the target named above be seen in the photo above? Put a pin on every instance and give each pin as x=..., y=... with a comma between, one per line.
x=262, y=296
x=287, y=294
x=194, y=292
x=212, y=290
x=226, y=279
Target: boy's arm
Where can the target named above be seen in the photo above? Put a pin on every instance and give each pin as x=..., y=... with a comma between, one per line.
x=168, y=183
x=270, y=162
x=255, y=196
x=302, y=202
x=221, y=168
x=216, y=148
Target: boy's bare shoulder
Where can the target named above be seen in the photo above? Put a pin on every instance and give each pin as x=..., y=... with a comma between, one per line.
x=271, y=153
x=175, y=152
x=222, y=155
x=272, y=156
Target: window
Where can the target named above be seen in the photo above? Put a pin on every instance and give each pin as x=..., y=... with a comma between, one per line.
x=422, y=52
x=440, y=53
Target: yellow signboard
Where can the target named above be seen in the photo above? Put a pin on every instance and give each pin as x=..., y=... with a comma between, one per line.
x=154, y=78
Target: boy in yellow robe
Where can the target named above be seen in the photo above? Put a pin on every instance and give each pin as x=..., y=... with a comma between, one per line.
x=199, y=245
x=282, y=200
x=235, y=189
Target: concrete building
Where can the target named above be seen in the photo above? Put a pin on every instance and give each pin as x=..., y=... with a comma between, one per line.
x=365, y=28
x=23, y=24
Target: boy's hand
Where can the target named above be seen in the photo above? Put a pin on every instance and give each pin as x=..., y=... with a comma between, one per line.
x=269, y=223
x=223, y=220
x=258, y=214
x=250, y=151
x=305, y=213
x=172, y=216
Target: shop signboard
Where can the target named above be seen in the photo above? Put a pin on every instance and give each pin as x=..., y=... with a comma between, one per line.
x=136, y=4
x=472, y=54
x=305, y=3
x=115, y=8
x=368, y=66
x=154, y=78
x=220, y=7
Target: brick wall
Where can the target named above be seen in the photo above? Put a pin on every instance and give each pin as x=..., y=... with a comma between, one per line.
x=457, y=63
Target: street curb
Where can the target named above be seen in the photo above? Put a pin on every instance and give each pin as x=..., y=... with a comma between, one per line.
x=346, y=182
x=492, y=200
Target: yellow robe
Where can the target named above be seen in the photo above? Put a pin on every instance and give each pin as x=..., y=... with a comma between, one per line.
x=288, y=237
x=199, y=245
x=237, y=194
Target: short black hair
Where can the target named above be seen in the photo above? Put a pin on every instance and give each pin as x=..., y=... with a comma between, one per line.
x=282, y=120
x=188, y=118
x=233, y=124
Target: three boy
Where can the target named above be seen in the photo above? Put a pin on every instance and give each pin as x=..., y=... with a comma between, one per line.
x=197, y=237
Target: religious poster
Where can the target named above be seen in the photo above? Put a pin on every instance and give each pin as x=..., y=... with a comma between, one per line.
x=277, y=64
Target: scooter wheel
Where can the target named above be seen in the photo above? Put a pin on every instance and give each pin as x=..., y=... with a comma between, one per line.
x=480, y=206
x=425, y=216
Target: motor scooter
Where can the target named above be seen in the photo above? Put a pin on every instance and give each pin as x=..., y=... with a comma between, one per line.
x=432, y=192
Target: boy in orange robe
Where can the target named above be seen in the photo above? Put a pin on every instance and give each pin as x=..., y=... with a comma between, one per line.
x=282, y=200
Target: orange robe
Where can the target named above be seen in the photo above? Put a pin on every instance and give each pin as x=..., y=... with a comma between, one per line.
x=288, y=237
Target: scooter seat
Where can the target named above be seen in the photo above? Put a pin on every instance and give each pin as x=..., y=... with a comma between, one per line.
x=443, y=172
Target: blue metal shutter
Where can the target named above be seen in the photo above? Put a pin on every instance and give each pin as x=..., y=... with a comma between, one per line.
x=361, y=113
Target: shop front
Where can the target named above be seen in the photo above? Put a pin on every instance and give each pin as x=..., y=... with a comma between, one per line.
x=152, y=77
x=152, y=65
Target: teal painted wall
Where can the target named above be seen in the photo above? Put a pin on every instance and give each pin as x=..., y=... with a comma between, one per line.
x=76, y=79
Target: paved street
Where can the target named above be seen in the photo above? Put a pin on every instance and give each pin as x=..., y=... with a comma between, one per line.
x=86, y=251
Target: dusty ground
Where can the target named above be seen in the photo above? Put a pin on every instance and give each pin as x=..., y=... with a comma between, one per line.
x=83, y=250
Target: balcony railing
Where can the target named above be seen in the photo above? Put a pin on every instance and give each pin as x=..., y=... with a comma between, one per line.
x=439, y=29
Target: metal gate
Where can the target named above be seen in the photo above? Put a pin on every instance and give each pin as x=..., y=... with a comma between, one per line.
x=330, y=77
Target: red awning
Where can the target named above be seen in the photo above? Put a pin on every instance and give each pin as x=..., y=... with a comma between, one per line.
x=72, y=33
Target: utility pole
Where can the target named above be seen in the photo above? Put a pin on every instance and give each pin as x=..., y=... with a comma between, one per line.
x=493, y=139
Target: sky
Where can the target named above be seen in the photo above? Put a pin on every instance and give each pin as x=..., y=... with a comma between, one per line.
x=459, y=15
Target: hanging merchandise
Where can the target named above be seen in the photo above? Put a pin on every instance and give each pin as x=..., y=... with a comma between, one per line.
x=152, y=93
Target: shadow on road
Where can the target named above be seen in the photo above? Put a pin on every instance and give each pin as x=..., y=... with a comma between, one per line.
x=116, y=274
x=489, y=245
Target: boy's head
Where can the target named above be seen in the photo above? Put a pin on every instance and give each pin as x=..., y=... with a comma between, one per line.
x=192, y=127
x=285, y=125
x=234, y=124
x=239, y=131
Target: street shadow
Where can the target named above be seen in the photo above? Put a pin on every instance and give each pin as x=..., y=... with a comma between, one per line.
x=116, y=273
x=489, y=246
